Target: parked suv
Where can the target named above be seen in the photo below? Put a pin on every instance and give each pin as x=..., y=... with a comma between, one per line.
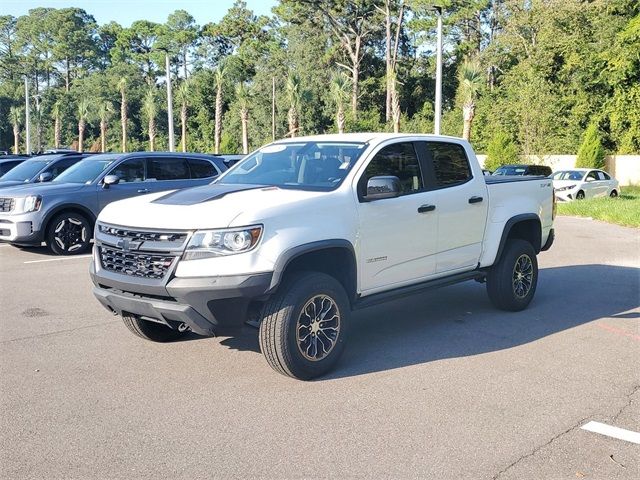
x=42, y=168
x=537, y=170
x=62, y=212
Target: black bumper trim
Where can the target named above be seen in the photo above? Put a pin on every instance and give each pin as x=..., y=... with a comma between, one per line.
x=549, y=242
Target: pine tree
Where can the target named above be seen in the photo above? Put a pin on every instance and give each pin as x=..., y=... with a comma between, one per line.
x=591, y=153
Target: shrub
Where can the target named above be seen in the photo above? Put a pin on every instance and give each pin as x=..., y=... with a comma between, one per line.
x=591, y=152
x=500, y=151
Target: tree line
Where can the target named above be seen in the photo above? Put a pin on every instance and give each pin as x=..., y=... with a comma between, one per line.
x=520, y=77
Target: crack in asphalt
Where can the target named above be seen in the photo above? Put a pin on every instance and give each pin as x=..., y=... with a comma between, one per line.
x=49, y=334
x=629, y=398
x=538, y=448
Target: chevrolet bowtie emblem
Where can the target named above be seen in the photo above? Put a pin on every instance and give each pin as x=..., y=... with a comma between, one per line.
x=127, y=245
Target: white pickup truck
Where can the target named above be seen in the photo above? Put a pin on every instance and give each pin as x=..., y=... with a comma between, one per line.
x=305, y=230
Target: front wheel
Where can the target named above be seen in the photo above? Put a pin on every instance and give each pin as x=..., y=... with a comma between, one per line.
x=152, y=331
x=580, y=195
x=511, y=283
x=69, y=234
x=613, y=194
x=304, y=325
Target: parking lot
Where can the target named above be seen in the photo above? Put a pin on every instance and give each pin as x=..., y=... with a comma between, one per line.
x=439, y=385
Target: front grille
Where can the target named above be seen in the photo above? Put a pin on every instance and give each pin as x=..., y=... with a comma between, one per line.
x=143, y=236
x=7, y=204
x=143, y=265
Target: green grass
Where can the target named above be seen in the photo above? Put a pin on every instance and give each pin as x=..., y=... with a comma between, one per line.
x=624, y=210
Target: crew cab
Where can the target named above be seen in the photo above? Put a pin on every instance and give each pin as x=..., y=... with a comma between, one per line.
x=303, y=231
x=62, y=212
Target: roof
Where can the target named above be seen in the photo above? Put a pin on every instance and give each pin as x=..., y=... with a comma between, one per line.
x=364, y=137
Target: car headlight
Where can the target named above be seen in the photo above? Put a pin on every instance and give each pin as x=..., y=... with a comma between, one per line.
x=32, y=203
x=562, y=189
x=216, y=243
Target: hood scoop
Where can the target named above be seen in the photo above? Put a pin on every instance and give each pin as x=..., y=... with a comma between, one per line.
x=205, y=193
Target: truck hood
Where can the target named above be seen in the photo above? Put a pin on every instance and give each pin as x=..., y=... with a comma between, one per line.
x=25, y=189
x=209, y=206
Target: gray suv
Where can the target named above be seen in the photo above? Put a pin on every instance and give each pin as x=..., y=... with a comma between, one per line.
x=62, y=212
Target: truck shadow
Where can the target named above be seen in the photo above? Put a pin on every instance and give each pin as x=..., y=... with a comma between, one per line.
x=460, y=321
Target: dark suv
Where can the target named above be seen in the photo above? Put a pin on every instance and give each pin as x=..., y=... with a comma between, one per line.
x=62, y=212
x=535, y=170
x=42, y=168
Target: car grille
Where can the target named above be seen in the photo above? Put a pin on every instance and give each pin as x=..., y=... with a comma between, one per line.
x=7, y=204
x=135, y=264
x=144, y=236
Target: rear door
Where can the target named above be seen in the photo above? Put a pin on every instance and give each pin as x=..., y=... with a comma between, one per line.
x=131, y=173
x=462, y=206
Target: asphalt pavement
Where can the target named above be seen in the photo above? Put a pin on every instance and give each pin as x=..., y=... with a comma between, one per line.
x=439, y=385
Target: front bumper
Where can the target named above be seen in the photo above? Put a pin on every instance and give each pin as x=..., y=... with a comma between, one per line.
x=565, y=195
x=203, y=304
x=21, y=229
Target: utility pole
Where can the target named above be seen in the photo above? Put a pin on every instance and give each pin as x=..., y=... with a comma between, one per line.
x=26, y=112
x=438, y=109
x=273, y=109
x=172, y=145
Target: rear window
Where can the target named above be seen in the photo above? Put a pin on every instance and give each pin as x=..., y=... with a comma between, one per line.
x=202, y=168
x=167, y=169
x=450, y=163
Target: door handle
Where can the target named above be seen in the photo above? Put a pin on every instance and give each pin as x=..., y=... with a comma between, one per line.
x=475, y=199
x=426, y=208
x=144, y=190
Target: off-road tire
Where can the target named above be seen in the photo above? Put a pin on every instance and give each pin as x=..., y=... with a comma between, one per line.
x=152, y=331
x=502, y=277
x=84, y=226
x=280, y=317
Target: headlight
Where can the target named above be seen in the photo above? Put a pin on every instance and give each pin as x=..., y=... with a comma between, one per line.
x=216, y=243
x=32, y=203
x=562, y=189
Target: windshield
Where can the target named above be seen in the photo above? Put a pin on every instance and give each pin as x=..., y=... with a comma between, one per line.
x=87, y=170
x=297, y=165
x=28, y=169
x=568, y=175
x=510, y=171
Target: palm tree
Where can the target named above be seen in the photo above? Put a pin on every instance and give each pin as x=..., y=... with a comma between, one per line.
x=182, y=95
x=57, y=124
x=243, y=95
x=295, y=94
x=340, y=91
x=122, y=86
x=105, y=110
x=84, y=106
x=395, y=101
x=219, y=78
x=15, y=118
x=470, y=78
x=150, y=110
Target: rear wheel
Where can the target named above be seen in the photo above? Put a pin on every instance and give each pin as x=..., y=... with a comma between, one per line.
x=69, y=233
x=613, y=194
x=155, y=332
x=304, y=325
x=580, y=195
x=511, y=283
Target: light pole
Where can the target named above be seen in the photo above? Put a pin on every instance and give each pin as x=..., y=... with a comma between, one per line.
x=26, y=114
x=438, y=108
x=172, y=144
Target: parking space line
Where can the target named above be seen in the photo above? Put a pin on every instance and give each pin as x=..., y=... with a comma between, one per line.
x=614, y=432
x=60, y=258
x=618, y=331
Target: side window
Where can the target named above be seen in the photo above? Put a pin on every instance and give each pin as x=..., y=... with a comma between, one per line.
x=601, y=175
x=166, y=168
x=58, y=167
x=605, y=175
x=399, y=160
x=450, y=163
x=130, y=171
x=202, y=168
x=592, y=176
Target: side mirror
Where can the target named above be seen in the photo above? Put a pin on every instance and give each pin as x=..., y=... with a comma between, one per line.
x=110, y=180
x=45, y=177
x=382, y=187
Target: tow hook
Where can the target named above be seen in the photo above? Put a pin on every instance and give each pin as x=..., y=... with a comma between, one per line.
x=183, y=327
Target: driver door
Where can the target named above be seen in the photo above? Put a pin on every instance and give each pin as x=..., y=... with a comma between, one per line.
x=131, y=173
